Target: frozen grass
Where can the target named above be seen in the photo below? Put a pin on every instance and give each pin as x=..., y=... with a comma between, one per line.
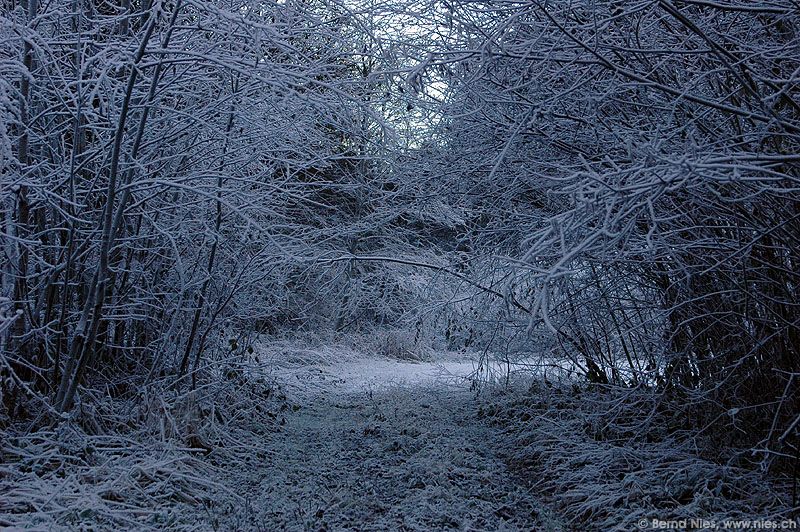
x=344, y=442
x=149, y=462
x=607, y=458
x=384, y=448
x=376, y=360
x=389, y=344
x=320, y=437
x=66, y=479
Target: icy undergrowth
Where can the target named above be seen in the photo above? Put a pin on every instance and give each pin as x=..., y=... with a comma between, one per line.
x=284, y=441
x=384, y=445
x=611, y=460
x=276, y=443
x=151, y=462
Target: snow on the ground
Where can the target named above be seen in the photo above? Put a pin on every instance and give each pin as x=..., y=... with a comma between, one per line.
x=351, y=374
x=383, y=445
x=365, y=374
x=351, y=444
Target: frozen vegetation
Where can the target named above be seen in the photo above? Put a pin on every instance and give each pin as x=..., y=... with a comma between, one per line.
x=367, y=444
x=399, y=264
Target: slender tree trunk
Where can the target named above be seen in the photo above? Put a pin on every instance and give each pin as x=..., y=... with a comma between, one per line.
x=86, y=335
x=23, y=208
x=211, y=255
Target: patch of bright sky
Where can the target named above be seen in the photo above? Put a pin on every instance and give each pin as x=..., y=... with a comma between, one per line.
x=400, y=35
x=403, y=35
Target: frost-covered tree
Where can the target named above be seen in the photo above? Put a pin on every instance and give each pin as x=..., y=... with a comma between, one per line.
x=156, y=177
x=630, y=174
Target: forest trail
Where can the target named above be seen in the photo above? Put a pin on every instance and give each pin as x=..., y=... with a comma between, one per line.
x=383, y=445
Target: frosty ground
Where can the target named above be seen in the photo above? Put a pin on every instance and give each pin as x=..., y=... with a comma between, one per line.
x=385, y=445
x=287, y=441
x=325, y=438
x=381, y=444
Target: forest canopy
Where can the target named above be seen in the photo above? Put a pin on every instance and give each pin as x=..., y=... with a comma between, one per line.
x=609, y=187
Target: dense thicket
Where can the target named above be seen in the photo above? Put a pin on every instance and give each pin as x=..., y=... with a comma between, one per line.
x=167, y=170
x=610, y=185
x=632, y=171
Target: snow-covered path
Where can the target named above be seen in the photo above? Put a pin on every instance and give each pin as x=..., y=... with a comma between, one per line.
x=382, y=445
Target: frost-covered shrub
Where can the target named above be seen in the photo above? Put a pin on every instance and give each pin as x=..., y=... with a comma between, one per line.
x=607, y=458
